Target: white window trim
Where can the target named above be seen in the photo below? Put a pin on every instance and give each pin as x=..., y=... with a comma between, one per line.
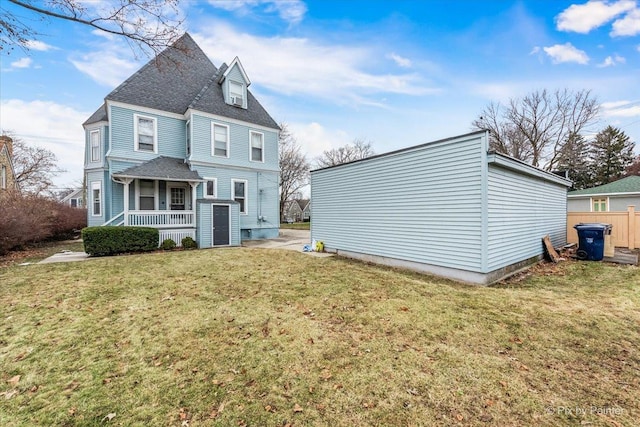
x=606, y=199
x=246, y=194
x=156, y=194
x=251, y=132
x=187, y=199
x=96, y=185
x=91, y=160
x=215, y=188
x=3, y=177
x=243, y=87
x=213, y=140
x=135, y=133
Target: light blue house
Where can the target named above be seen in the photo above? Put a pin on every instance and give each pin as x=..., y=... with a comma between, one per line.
x=448, y=207
x=183, y=146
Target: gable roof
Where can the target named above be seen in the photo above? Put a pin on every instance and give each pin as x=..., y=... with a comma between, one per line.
x=183, y=77
x=628, y=185
x=234, y=63
x=162, y=168
x=100, y=115
x=170, y=81
x=303, y=203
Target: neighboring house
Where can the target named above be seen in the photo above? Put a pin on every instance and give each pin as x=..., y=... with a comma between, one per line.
x=615, y=196
x=614, y=203
x=7, y=173
x=75, y=199
x=297, y=210
x=184, y=146
x=447, y=207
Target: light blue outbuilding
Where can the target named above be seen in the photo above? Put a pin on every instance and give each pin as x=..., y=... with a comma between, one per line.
x=448, y=207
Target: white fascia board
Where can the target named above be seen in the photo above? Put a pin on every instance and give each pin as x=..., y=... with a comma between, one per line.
x=144, y=110
x=515, y=165
x=587, y=196
x=236, y=61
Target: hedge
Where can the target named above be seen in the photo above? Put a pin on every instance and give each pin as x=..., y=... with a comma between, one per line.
x=112, y=240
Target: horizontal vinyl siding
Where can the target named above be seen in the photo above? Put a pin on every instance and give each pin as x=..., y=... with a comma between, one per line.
x=422, y=205
x=521, y=211
x=265, y=203
x=238, y=144
x=621, y=204
x=205, y=231
x=171, y=136
x=579, y=205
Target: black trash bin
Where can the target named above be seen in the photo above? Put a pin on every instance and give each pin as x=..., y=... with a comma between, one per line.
x=591, y=240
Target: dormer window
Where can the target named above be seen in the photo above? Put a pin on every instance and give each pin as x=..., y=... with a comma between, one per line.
x=236, y=94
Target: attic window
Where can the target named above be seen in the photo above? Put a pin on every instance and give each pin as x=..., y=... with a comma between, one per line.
x=236, y=94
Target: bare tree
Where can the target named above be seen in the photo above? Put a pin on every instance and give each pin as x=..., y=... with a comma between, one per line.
x=535, y=128
x=34, y=167
x=148, y=25
x=358, y=150
x=294, y=167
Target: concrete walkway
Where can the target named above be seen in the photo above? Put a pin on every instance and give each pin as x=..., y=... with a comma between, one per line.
x=292, y=240
x=65, y=256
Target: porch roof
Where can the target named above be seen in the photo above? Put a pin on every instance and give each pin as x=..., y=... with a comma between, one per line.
x=162, y=168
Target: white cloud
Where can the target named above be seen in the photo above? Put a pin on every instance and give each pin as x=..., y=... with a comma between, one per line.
x=627, y=26
x=566, y=53
x=22, y=63
x=109, y=66
x=38, y=45
x=299, y=66
x=621, y=109
x=536, y=49
x=585, y=17
x=314, y=139
x=399, y=60
x=50, y=125
x=610, y=61
x=291, y=11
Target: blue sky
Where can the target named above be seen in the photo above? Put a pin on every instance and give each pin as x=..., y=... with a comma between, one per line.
x=396, y=73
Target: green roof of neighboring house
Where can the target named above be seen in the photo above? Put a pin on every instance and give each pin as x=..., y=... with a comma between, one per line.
x=630, y=184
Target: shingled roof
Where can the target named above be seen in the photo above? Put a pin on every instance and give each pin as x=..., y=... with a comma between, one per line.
x=99, y=116
x=628, y=185
x=183, y=77
x=163, y=168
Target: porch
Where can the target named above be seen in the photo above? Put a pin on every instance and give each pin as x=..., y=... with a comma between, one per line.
x=160, y=193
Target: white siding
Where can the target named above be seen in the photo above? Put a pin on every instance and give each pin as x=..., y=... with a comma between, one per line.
x=422, y=205
x=522, y=209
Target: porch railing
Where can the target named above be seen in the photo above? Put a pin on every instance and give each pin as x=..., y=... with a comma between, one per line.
x=116, y=220
x=161, y=219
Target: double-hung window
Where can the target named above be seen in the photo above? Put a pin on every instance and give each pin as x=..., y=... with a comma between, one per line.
x=147, y=198
x=94, y=137
x=146, y=130
x=236, y=92
x=210, y=188
x=599, y=205
x=3, y=177
x=96, y=198
x=257, y=146
x=220, y=137
x=239, y=188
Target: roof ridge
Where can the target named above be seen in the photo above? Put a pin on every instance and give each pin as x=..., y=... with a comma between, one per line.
x=186, y=37
x=204, y=88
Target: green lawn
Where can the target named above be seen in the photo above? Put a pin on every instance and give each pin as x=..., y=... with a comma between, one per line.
x=258, y=337
x=296, y=226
